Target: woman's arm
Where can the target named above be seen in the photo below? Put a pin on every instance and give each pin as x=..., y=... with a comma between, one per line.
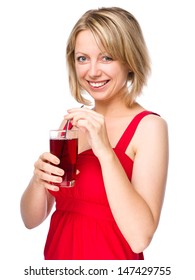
x=136, y=205
x=36, y=202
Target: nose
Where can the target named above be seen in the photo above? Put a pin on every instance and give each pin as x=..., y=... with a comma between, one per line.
x=94, y=69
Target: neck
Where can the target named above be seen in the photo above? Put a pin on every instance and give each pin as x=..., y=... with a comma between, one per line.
x=114, y=109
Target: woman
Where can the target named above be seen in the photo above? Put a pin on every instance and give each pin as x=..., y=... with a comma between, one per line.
x=114, y=208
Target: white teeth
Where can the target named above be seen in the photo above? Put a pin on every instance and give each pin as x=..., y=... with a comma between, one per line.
x=97, y=84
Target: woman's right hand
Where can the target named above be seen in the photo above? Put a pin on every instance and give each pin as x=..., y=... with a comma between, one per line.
x=46, y=172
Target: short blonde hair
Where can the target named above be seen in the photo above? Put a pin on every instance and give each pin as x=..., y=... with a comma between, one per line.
x=119, y=33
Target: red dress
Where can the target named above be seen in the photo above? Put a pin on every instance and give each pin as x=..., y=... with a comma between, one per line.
x=82, y=226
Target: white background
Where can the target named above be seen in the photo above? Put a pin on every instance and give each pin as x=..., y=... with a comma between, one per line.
x=35, y=96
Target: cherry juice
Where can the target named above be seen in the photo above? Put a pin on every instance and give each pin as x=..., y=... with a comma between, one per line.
x=66, y=150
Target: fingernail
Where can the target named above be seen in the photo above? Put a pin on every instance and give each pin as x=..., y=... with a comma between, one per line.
x=57, y=161
x=60, y=172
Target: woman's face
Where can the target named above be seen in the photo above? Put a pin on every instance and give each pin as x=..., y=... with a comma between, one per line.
x=101, y=76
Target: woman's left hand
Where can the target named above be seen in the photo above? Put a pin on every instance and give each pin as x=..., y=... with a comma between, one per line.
x=93, y=124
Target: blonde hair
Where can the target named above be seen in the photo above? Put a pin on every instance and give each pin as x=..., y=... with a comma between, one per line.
x=119, y=33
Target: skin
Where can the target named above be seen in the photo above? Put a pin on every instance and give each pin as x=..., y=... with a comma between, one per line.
x=136, y=203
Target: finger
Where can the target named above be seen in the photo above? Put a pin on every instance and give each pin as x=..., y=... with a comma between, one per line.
x=48, y=157
x=48, y=186
x=85, y=116
x=80, y=108
x=87, y=124
x=48, y=168
x=76, y=108
x=71, y=112
x=47, y=177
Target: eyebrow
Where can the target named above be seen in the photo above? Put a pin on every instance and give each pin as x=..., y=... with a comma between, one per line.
x=80, y=53
x=101, y=53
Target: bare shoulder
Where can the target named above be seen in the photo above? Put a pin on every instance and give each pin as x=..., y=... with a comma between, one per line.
x=151, y=134
x=153, y=121
x=150, y=122
x=151, y=130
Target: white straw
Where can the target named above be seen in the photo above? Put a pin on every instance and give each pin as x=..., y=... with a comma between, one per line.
x=66, y=128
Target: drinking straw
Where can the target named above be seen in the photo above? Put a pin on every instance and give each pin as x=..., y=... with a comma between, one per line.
x=67, y=125
x=66, y=128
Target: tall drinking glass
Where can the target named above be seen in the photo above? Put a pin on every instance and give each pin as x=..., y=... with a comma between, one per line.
x=64, y=145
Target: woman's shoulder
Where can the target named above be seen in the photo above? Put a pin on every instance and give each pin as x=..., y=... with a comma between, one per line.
x=153, y=127
x=151, y=118
x=154, y=119
x=152, y=123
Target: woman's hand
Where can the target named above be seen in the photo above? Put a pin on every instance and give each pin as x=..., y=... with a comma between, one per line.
x=93, y=124
x=46, y=173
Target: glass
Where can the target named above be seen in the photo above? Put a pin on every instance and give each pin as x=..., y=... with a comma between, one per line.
x=64, y=145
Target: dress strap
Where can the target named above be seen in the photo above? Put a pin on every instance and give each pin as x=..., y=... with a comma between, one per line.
x=130, y=130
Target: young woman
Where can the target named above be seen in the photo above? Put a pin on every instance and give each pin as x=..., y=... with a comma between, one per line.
x=114, y=208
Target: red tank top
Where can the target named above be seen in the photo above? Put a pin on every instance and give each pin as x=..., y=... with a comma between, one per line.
x=82, y=227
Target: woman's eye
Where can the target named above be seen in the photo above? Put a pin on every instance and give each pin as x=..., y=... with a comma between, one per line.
x=81, y=58
x=107, y=58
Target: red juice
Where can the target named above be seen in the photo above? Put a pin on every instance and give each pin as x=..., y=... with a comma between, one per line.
x=66, y=150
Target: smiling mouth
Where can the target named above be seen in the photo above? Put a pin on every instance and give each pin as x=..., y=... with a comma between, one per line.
x=98, y=84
